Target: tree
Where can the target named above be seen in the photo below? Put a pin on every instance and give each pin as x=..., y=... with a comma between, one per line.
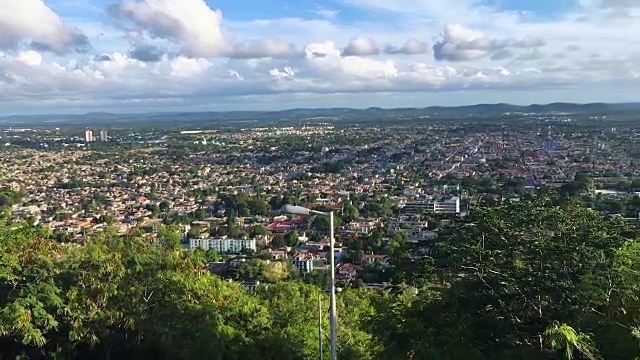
x=561, y=337
x=252, y=269
x=292, y=239
x=276, y=271
x=164, y=206
x=108, y=219
x=194, y=233
x=169, y=238
x=212, y=255
x=350, y=212
x=321, y=223
x=512, y=271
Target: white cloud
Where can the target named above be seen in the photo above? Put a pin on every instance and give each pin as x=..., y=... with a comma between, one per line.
x=34, y=21
x=327, y=59
x=269, y=47
x=326, y=13
x=183, y=52
x=286, y=73
x=459, y=43
x=361, y=46
x=189, y=67
x=191, y=23
x=619, y=4
x=529, y=42
x=30, y=57
x=411, y=47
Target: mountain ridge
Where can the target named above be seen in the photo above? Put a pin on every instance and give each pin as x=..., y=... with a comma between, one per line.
x=482, y=109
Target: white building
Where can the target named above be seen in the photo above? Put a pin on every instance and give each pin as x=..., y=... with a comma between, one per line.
x=88, y=135
x=441, y=206
x=104, y=136
x=303, y=263
x=224, y=246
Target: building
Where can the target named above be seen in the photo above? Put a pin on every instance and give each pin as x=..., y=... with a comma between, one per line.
x=440, y=206
x=499, y=146
x=549, y=144
x=104, y=136
x=303, y=263
x=224, y=246
x=88, y=135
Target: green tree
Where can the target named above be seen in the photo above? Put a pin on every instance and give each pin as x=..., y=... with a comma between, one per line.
x=169, y=238
x=292, y=239
x=212, y=255
x=252, y=269
x=512, y=271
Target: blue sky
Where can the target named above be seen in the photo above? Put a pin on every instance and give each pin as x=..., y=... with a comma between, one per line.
x=138, y=55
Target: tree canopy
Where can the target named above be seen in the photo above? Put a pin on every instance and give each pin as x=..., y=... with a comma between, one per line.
x=544, y=278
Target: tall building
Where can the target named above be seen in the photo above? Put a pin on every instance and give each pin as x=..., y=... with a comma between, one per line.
x=104, y=136
x=439, y=206
x=224, y=246
x=549, y=144
x=88, y=135
x=303, y=263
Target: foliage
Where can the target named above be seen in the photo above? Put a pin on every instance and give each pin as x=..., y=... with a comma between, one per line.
x=497, y=283
x=506, y=283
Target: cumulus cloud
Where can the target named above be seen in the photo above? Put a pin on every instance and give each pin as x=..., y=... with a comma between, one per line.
x=33, y=20
x=531, y=56
x=327, y=60
x=411, y=47
x=25, y=78
x=205, y=61
x=286, y=73
x=147, y=53
x=502, y=54
x=458, y=43
x=103, y=57
x=32, y=58
x=266, y=48
x=572, y=47
x=530, y=42
x=190, y=23
x=607, y=4
x=361, y=46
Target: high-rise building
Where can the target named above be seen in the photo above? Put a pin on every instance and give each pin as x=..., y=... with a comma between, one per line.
x=104, y=135
x=549, y=144
x=224, y=245
x=88, y=135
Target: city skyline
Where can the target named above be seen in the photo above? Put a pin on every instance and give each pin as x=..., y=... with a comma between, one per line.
x=71, y=56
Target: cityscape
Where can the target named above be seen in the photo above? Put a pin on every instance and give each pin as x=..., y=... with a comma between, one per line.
x=398, y=188
x=337, y=179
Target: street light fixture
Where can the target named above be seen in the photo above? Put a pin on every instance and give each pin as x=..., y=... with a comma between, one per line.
x=299, y=210
x=339, y=290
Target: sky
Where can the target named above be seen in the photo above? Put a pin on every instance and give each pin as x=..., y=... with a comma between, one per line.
x=77, y=56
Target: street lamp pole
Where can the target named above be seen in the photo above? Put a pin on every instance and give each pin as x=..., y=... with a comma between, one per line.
x=299, y=210
x=320, y=323
x=333, y=322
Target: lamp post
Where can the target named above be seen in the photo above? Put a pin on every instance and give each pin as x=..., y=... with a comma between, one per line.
x=320, y=323
x=299, y=210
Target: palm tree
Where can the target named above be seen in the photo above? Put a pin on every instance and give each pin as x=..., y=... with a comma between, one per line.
x=562, y=337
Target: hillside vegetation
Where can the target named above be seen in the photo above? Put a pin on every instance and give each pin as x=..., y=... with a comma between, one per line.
x=540, y=279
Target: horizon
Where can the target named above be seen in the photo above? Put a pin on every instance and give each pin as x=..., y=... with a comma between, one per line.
x=323, y=108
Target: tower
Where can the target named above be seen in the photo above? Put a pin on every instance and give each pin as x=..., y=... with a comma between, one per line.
x=104, y=135
x=549, y=144
x=324, y=152
x=88, y=135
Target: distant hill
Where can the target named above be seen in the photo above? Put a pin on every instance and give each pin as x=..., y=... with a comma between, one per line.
x=374, y=113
